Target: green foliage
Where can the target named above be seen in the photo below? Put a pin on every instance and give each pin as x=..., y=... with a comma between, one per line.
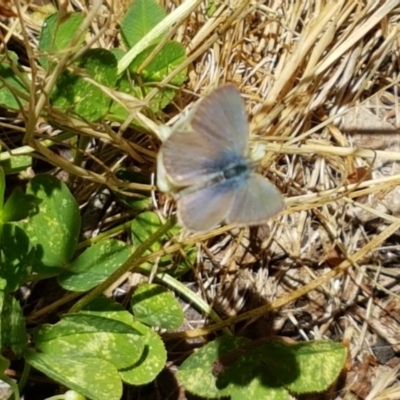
x=104, y=342
x=54, y=229
x=15, y=164
x=154, y=355
x=75, y=93
x=154, y=305
x=135, y=203
x=146, y=224
x=13, y=82
x=57, y=31
x=270, y=370
x=94, y=265
x=145, y=14
x=90, y=376
x=12, y=324
x=81, y=335
x=16, y=252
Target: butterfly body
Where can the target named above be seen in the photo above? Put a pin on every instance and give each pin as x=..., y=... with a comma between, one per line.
x=207, y=164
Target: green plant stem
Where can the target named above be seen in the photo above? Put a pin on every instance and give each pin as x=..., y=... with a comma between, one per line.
x=27, y=150
x=129, y=265
x=24, y=377
x=13, y=385
x=107, y=234
x=186, y=293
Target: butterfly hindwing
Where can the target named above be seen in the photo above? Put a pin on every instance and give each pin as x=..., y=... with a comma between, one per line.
x=207, y=207
x=256, y=200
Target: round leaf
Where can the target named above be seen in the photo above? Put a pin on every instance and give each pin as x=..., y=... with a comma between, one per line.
x=154, y=305
x=93, y=377
x=151, y=363
x=92, y=336
x=195, y=373
x=54, y=230
x=94, y=265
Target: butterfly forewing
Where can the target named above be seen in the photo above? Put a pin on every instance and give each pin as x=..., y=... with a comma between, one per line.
x=189, y=158
x=217, y=138
x=222, y=118
x=255, y=201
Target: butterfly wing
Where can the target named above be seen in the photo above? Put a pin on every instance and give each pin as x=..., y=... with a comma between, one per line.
x=221, y=118
x=218, y=138
x=255, y=201
x=203, y=209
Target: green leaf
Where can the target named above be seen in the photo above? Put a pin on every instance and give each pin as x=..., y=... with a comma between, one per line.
x=83, y=335
x=2, y=191
x=211, y=8
x=72, y=395
x=320, y=363
x=135, y=203
x=257, y=390
x=264, y=369
x=171, y=56
x=16, y=164
x=57, y=31
x=300, y=368
x=139, y=82
x=7, y=392
x=16, y=256
x=195, y=373
x=73, y=92
x=142, y=16
x=154, y=354
x=94, y=265
x=20, y=205
x=152, y=361
x=145, y=225
x=54, y=230
x=268, y=370
x=93, y=377
x=107, y=308
x=13, y=82
x=156, y=306
x=12, y=324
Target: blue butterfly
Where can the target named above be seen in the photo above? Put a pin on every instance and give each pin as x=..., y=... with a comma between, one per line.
x=206, y=161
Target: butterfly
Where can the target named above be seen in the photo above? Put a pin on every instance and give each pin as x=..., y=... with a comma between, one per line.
x=204, y=163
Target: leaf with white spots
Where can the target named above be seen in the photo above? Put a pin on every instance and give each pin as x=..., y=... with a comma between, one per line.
x=80, y=335
x=94, y=265
x=16, y=256
x=154, y=354
x=13, y=334
x=320, y=363
x=195, y=373
x=93, y=377
x=262, y=369
x=152, y=362
x=146, y=224
x=57, y=31
x=107, y=308
x=156, y=306
x=54, y=229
